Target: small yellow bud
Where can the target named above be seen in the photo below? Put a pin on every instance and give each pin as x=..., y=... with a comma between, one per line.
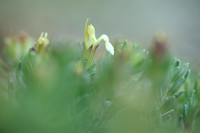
x=42, y=42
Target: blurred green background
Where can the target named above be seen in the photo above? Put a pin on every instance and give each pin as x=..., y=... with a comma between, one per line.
x=134, y=20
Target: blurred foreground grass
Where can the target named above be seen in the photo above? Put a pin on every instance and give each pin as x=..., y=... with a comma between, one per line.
x=52, y=88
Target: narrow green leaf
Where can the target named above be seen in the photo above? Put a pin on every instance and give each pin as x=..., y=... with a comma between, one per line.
x=18, y=75
x=168, y=104
x=187, y=74
x=177, y=62
x=175, y=87
x=91, y=68
x=185, y=111
x=178, y=94
x=167, y=113
x=180, y=71
x=193, y=98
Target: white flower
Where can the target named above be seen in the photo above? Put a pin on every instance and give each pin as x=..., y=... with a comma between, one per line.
x=109, y=47
x=91, y=35
x=90, y=38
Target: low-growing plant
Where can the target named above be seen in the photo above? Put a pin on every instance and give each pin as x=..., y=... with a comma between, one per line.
x=57, y=87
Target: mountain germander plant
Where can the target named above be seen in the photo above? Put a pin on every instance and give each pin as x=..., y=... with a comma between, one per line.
x=59, y=88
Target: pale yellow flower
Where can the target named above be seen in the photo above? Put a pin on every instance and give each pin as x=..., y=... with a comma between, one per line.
x=90, y=38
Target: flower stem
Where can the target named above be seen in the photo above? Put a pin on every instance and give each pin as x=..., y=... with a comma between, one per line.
x=91, y=56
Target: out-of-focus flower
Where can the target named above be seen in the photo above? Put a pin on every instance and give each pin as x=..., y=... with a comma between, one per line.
x=17, y=46
x=160, y=45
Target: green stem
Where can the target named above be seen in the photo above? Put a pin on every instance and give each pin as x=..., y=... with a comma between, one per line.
x=90, y=59
x=86, y=53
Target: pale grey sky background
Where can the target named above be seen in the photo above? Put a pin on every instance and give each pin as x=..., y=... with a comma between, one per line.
x=134, y=20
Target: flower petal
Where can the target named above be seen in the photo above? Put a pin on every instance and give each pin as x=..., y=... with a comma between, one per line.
x=109, y=47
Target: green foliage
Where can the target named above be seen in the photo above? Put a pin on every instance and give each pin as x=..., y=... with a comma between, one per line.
x=132, y=91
